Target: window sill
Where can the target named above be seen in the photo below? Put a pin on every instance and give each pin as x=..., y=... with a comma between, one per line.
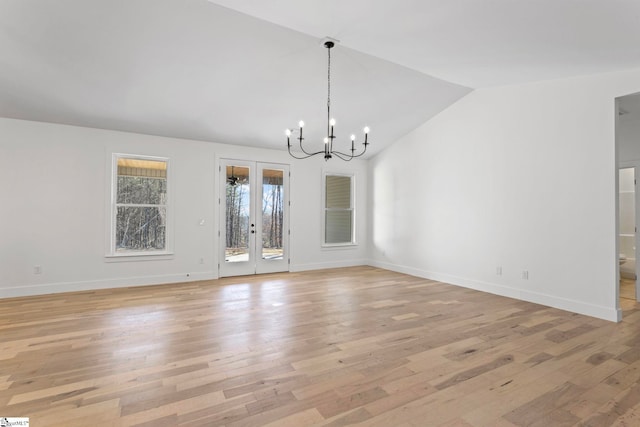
x=138, y=256
x=337, y=246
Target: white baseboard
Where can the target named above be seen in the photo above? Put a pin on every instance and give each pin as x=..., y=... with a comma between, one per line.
x=326, y=265
x=54, y=288
x=601, y=312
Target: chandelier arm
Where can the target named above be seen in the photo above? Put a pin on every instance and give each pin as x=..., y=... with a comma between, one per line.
x=340, y=153
x=352, y=155
x=304, y=157
x=343, y=156
x=306, y=152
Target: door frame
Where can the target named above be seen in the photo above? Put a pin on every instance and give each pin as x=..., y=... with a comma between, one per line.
x=256, y=264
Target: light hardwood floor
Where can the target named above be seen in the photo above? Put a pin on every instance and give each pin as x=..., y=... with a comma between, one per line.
x=335, y=347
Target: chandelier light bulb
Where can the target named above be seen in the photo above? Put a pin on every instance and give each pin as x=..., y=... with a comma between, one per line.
x=301, y=123
x=326, y=140
x=366, y=129
x=287, y=132
x=353, y=137
x=332, y=122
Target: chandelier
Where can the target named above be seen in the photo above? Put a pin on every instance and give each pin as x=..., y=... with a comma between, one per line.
x=328, y=150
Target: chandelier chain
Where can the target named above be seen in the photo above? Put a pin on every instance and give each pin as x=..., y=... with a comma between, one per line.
x=328, y=89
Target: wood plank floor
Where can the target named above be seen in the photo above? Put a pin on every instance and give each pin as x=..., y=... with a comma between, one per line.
x=353, y=346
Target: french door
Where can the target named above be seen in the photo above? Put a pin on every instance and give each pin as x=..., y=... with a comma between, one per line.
x=254, y=213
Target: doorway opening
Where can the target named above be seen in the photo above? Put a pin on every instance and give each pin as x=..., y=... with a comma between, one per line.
x=628, y=198
x=254, y=212
x=627, y=232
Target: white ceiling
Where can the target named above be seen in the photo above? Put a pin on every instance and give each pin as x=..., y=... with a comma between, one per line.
x=474, y=43
x=241, y=71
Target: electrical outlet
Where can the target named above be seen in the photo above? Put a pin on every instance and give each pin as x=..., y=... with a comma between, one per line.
x=525, y=274
x=499, y=270
x=37, y=269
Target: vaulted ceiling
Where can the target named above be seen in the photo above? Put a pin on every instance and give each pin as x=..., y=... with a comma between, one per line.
x=241, y=71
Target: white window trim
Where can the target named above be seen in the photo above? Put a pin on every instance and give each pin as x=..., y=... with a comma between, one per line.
x=112, y=255
x=354, y=241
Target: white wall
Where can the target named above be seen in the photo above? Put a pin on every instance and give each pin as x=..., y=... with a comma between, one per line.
x=306, y=216
x=522, y=177
x=54, y=208
x=519, y=177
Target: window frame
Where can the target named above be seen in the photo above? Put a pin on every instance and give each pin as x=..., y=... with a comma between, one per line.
x=352, y=208
x=132, y=255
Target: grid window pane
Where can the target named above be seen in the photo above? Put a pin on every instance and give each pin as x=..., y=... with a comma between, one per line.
x=140, y=209
x=338, y=219
x=338, y=192
x=338, y=226
x=140, y=228
x=141, y=190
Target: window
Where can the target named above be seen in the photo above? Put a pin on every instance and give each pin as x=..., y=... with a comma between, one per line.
x=139, y=205
x=338, y=210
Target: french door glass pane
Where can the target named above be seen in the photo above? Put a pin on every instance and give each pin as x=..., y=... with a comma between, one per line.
x=272, y=214
x=237, y=215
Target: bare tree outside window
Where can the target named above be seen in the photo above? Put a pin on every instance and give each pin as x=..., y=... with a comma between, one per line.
x=272, y=214
x=237, y=215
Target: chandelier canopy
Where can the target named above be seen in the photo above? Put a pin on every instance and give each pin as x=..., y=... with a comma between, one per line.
x=328, y=150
